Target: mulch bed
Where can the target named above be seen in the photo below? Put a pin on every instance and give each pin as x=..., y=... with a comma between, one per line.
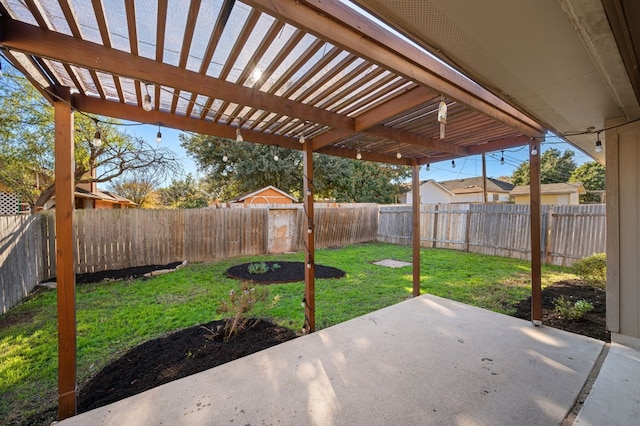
x=120, y=274
x=287, y=272
x=177, y=355
x=592, y=324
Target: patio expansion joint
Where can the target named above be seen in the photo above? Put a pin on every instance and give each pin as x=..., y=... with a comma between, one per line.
x=586, y=388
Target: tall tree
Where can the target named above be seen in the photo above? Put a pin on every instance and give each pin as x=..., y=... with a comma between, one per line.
x=592, y=176
x=139, y=186
x=555, y=167
x=27, y=146
x=251, y=166
x=184, y=194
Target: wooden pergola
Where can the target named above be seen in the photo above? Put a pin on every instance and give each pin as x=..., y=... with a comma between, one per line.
x=309, y=75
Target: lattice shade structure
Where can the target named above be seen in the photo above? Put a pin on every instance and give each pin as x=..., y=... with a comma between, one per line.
x=276, y=70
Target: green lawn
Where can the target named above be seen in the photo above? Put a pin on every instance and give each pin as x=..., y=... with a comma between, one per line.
x=113, y=317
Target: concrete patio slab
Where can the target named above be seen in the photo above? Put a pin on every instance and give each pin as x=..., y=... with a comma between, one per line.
x=424, y=361
x=615, y=396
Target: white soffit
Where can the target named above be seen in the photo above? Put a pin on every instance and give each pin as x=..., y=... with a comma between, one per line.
x=557, y=60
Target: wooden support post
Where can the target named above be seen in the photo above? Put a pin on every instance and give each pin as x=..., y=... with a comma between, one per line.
x=309, y=232
x=415, y=225
x=536, y=273
x=65, y=267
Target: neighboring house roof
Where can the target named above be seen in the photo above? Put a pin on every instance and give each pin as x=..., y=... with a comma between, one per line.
x=102, y=195
x=266, y=188
x=474, y=184
x=551, y=188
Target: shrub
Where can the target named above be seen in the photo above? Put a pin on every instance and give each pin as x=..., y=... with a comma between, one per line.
x=593, y=269
x=567, y=310
x=240, y=302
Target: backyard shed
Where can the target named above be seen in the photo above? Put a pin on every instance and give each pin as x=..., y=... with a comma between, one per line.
x=267, y=195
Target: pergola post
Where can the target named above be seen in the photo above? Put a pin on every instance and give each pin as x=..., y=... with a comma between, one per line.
x=415, y=225
x=65, y=268
x=309, y=270
x=536, y=264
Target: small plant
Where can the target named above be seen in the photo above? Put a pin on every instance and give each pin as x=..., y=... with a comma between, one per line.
x=258, y=268
x=240, y=302
x=565, y=309
x=262, y=268
x=593, y=269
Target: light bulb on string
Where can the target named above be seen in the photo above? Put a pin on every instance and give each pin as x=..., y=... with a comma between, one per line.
x=275, y=157
x=398, y=155
x=159, y=135
x=239, y=137
x=502, y=158
x=97, y=138
x=453, y=164
x=225, y=158
x=359, y=155
x=534, y=151
x=146, y=103
x=598, y=147
x=428, y=167
x=302, y=139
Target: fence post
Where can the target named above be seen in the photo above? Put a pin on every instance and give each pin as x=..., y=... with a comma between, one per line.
x=549, y=235
x=435, y=226
x=467, y=229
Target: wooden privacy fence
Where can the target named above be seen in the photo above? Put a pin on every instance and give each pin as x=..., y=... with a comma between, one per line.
x=116, y=239
x=568, y=233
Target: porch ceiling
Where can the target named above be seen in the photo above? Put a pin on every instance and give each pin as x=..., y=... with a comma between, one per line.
x=276, y=70
x=571, y=64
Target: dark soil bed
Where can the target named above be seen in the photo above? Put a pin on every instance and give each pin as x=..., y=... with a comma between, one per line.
x=286, y=273
x=593, y=324
x=121, y=274
x=177, y=355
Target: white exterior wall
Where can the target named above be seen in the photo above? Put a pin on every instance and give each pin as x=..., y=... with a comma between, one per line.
x=430, y=193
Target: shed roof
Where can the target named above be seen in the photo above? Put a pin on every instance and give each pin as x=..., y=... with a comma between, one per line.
x=261, y=190
x=279, y=72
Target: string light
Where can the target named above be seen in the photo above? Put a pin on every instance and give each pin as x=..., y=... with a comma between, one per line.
x=308, y=193
x=428, y=167
x=453, y=164
x=598, y=143
x=146, y=103
x=502, y=158
x=275, y=157
x=398, y=155
x=309, y=230
x=442, y=115
x=97, y=138
x=302, y=139
x=534, y=151
x=239, y=137
x=308, y=266
x=225, y=158
x=359, y=155
x=159, y=135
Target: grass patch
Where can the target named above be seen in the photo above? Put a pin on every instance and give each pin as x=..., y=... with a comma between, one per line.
x=116, y=316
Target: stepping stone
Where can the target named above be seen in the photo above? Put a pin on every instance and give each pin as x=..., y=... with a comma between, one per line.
x=390, y=263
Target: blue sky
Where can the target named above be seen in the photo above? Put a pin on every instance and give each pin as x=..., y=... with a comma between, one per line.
x=465, y=167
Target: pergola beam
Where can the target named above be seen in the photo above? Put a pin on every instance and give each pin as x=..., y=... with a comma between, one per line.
x=336, y=23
